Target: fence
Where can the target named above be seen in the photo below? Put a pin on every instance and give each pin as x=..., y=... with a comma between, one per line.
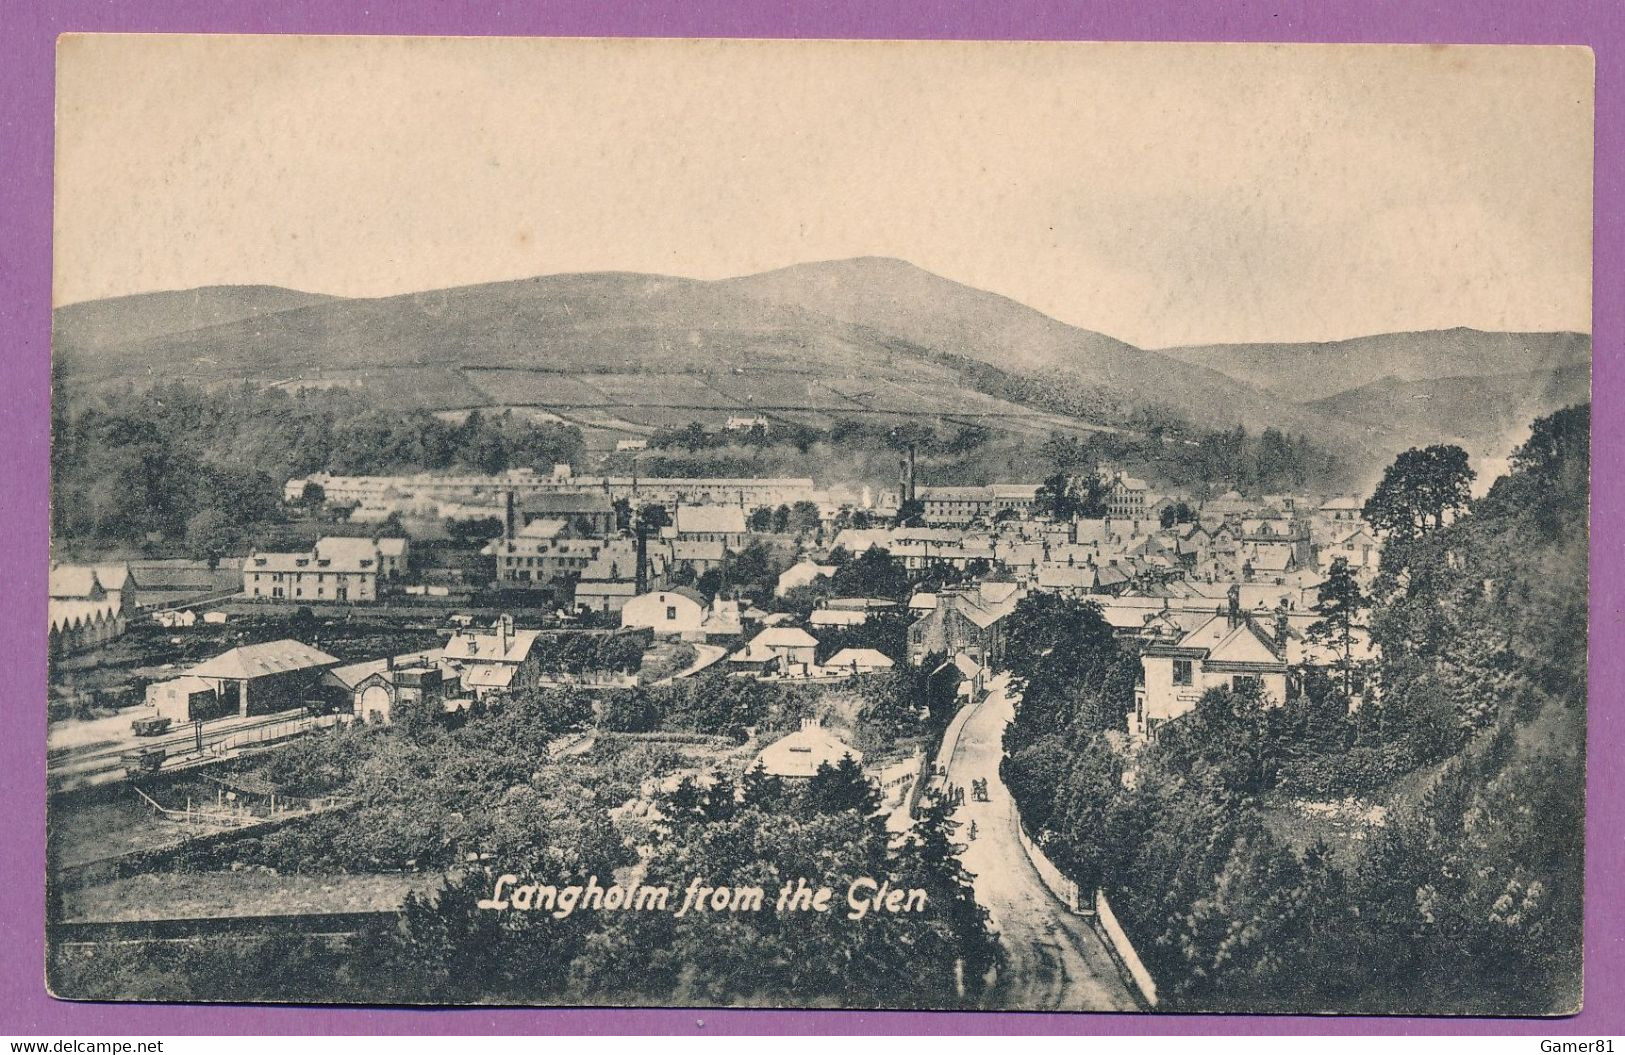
x=1117, y=938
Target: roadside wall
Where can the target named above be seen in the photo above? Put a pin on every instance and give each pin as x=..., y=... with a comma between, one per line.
x=1124, y=948
x=1058, y=884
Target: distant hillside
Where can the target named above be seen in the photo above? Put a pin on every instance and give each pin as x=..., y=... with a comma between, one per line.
x=121, y=321
x=1314, y=371
x=625, y=355
x=616, y=354
x=1484, y=414
x=895, y=297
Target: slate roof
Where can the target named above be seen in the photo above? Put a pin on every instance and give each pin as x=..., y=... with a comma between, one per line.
x=861, y=658
x=246, y=662
x=803, y=751
x=710, y=520
x=487, y=647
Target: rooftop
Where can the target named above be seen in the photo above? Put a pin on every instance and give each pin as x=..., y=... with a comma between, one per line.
x=246, y=662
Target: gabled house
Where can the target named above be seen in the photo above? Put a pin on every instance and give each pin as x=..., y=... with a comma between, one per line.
x=498, y=659
x=799, y=755
x=858, y=661
x=969, y=619
x=676, y=611
x=1229, y=650
x=784, y=648
x=802, y=573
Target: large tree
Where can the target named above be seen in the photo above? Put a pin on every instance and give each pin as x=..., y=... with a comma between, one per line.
x=1420, y=492
x=1340, y=603
x=1064, y=496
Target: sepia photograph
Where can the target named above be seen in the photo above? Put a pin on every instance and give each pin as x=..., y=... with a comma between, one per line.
x=1005, y=526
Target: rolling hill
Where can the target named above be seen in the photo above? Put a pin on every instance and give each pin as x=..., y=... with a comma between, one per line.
x=1485, y=414
x=115, y=322
x=624, y=354
x=1315, y=371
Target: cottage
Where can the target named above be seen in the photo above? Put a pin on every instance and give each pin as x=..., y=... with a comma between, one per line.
x=802, y=573
x=858, y=661
x=665, y=611
x=499, y=659
x=800, y=755
x=970, y=619
x=784, y=648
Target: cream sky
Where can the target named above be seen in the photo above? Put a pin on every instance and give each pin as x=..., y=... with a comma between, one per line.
x=1165, y=194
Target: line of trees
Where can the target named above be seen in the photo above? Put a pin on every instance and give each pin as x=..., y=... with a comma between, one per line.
x=194, y=469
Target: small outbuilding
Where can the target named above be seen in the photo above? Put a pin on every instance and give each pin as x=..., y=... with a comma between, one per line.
x=799, y=755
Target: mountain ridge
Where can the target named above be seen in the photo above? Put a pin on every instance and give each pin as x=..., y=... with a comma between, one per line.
x=866, y=335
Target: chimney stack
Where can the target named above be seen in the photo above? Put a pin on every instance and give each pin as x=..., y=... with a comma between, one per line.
x=642, y=575
x=510, y=516
x=1235, y=606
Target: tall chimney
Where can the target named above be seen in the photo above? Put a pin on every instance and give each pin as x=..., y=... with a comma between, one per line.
x=1235, y=605
x=910, y=495
x=510, y=516
x=642, y=575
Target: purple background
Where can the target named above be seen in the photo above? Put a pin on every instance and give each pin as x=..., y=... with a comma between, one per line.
x=26, y=75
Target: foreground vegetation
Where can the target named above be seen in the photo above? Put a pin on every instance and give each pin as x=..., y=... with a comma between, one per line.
x=471, y=798
x=1467, y=898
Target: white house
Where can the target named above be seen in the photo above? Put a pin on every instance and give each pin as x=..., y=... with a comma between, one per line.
x=1227, y=651
x=502, y=658
x=837, y=617
x=799, y=755
x=858, y=661
x=785, y=646
x=676, y=611
x=802, y=573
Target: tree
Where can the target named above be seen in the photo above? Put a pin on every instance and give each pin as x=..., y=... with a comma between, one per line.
x=1339, y=603
x=842, y=786
x=1419, y=492
x=871, y=573
x=654, y=516
x=1177, y=513
x=805, y=517
x=1064, y=496
x=911, y=513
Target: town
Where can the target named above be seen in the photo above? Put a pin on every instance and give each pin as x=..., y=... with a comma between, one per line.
x=443, y=597
x=1212, y=591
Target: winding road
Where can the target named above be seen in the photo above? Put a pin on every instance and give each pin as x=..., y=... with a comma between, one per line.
x=1055, y=961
